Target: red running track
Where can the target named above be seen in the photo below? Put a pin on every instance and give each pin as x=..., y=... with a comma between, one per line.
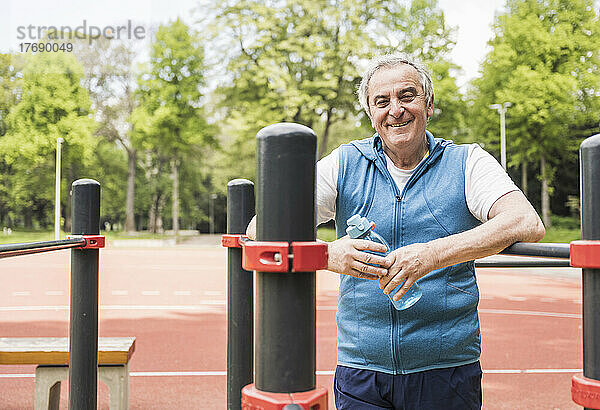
x=173, y=301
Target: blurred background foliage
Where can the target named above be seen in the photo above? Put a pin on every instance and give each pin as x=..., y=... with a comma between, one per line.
x=163, y=136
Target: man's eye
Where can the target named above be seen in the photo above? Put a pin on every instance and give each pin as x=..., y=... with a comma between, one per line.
x=407, y=97
x=381, y=103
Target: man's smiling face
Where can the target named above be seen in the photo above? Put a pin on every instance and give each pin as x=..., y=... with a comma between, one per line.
x=397, y=105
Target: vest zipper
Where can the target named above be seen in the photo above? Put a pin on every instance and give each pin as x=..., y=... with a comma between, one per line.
x=396, y=322
x=396, y=360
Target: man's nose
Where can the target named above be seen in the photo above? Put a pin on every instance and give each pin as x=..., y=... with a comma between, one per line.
x=396, y=108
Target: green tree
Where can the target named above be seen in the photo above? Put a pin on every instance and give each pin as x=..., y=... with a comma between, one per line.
x=170, y=120
x=449, y=107
x=111, y=82
x=110, y=169
x=545, y=61
x=11, y=74
x=10, y=88
x=301, y=60
x=52, y=104
x=154, y=189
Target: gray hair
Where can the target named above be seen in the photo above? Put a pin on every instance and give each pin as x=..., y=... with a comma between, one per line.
x=391, y=61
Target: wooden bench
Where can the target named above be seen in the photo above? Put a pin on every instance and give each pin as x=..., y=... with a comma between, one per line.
x=51, y=355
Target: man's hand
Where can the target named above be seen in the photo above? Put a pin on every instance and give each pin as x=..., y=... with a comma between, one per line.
x=408, y=263
x=347, y=256
x=251, y=229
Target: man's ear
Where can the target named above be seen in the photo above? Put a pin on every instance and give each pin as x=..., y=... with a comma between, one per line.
x=430, y=107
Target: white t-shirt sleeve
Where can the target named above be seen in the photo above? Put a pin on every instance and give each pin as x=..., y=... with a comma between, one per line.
x=485, y=182
x=327, y=177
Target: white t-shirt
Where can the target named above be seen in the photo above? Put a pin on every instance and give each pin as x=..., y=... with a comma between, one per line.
x=485, y=182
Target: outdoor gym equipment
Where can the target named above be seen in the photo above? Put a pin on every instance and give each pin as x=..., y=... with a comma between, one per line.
x=285, y=328
x=83, y=325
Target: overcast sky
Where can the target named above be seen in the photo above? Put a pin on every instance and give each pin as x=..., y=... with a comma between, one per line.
x=472, y=18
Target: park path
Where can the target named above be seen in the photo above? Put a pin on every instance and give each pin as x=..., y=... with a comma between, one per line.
x=174, y=301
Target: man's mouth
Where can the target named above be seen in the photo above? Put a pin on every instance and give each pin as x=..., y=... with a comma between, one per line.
x=400, y=124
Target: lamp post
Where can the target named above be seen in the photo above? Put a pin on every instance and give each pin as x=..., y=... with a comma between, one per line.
x=502, y=110
x=212, y=212
x=57, y=194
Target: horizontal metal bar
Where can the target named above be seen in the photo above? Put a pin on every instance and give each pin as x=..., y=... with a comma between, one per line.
x=545, y=250
x=18, y=249
x=542, y=263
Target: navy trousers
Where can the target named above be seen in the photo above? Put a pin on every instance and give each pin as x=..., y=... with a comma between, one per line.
x=444, y=389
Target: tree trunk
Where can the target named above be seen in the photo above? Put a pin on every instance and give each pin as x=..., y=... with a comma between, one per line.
x=175, y=177
x=524, y=178
x=159, y=220
x=129, y=204
x=545, y=193
x=323, y=146
x=28, y=219
x=155, y=222
x=152, y=214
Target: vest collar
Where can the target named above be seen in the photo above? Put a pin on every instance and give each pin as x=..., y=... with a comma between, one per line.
x=374, y=149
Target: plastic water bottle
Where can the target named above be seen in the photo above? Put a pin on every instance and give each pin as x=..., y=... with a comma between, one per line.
x=360, y=228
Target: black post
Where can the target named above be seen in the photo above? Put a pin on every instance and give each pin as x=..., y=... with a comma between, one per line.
x=286, y=311
x=83, y=341
x=590, y=230
x=240, y=297
x=544, y=250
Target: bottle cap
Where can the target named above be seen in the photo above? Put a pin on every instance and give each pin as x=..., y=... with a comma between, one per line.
x=357, y=226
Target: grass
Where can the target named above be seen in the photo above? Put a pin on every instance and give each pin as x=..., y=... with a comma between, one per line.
x=27, y=236
x=38, y=236
x=564, y=235
x=136, y=235
x=564, y=229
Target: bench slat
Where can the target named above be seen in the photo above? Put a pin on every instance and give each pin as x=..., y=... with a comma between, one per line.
x=55, y=350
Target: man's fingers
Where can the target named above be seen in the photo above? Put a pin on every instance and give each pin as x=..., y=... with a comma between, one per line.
x=369, y=258
x=402, y=291
x=363, y=245
x=389, y=259
x=389, y=282
x=351, y=257
x=373, y=270
x=392, y=274
x=392, y=284
x=396, y=282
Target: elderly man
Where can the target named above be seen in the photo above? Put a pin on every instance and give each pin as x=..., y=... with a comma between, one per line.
x=440, y=206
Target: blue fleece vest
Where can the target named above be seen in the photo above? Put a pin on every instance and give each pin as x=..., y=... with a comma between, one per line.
x=442, y=329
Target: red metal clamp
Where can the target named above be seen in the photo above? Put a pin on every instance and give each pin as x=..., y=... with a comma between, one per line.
x=254, y=399
x=266, y=256
x=585, y=254
x=91, y=241
x=585, y=392
x=276, y=256
x=309, y=256
x=233, y=240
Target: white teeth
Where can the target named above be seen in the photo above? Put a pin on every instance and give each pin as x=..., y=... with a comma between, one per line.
x=399, y=125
